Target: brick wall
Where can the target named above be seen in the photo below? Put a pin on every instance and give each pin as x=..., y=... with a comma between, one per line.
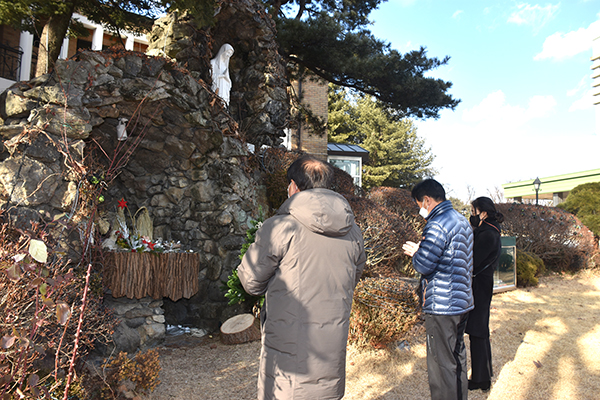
x=9, y=36
x=314, y=97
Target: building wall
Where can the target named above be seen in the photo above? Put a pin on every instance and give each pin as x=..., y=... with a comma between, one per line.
x=596, y=80
x=555, y=188
x=29, y=46
x=313, y=95
x=9, y=64
x=9, y=36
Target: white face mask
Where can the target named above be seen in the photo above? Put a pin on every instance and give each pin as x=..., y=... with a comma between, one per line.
x=423, y=212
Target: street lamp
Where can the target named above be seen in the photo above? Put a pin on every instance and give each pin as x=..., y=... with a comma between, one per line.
x=536, y=186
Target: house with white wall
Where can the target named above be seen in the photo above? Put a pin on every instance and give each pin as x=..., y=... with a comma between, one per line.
x=18, y=50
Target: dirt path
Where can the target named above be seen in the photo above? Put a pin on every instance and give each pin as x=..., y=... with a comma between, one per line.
x=545, y=343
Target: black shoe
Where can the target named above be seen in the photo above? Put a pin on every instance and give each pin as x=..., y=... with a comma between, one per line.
x=485, y=386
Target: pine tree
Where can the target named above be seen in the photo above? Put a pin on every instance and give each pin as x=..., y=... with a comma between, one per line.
x=584, y=202
x=331, y=39
x=397, y=156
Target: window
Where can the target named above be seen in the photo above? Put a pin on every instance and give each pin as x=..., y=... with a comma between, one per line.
x=351, y=165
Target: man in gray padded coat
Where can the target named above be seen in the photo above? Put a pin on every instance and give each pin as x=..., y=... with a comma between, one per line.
x=306, y=260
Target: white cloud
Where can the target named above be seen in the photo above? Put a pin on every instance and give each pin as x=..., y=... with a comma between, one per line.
x=585, y=102
x=535, y=16
x=494, y=112
x=471, y=155
x=583, y=83
x=560, y=46
x=457, y=14
x=539, y=107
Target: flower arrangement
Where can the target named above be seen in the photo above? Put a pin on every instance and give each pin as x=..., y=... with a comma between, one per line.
x=138, y=238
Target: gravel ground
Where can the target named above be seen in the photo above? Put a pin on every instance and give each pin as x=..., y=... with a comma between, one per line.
x=544, y=342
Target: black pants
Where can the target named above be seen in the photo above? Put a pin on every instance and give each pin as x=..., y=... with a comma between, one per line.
x=446, y=356
x=481, y=359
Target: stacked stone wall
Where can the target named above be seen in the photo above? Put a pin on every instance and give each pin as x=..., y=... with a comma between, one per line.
x=259, y=97
x=186, y=165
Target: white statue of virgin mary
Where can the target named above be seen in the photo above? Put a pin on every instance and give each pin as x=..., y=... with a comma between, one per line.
x=221, y=84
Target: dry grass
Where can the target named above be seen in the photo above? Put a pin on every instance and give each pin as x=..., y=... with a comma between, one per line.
x=555, y=325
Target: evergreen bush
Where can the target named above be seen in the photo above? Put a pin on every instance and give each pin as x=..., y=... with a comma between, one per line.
x=234, y=291
x=584, y=202
x=529, y=267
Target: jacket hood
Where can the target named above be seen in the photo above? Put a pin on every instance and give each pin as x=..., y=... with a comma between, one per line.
x=321, y=211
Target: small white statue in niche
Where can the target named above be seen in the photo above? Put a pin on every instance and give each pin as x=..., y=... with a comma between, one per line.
x=122, y=129
x=221, y=82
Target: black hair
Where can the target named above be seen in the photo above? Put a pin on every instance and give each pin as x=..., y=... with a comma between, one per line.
x=428, y=187
x=309, y=172
x=485, y=204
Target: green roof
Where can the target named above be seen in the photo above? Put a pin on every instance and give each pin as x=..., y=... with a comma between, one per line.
x=551, y=184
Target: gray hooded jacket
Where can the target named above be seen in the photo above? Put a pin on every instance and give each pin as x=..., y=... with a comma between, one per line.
x=307, y=259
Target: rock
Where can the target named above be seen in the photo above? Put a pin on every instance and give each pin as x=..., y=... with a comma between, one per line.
x=158, y=318
x=135, y=322
x=126, y=339
x=156, y=304
x=30, y=182
x=70, y=95
x=155, y=331
x=138, y=312
x=14, y=104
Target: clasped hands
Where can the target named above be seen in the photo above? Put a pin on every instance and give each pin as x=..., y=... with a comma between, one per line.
x=410, y=248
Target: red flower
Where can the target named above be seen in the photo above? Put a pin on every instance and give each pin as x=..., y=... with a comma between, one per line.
x=151, y=245
x=122, y=203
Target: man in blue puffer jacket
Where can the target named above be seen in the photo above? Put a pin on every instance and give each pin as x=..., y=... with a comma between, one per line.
x=444, y=258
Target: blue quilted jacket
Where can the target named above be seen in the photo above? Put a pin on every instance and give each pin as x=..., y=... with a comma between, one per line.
x=445, y=262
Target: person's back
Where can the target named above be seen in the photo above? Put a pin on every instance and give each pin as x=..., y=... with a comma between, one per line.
x=308, y=259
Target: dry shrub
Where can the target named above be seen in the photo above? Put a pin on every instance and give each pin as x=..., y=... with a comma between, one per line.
x=343, y=183
x=557, y=237
x=400, y=202
x=276, y=188
x=40, y=307
x=384, y=233
x=275, y=162
x=137, y=375
x=383, y=311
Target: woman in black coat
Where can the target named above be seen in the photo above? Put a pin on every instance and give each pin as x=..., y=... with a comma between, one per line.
x=486, y=253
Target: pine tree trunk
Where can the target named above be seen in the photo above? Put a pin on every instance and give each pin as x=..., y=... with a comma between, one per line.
x=51, y=40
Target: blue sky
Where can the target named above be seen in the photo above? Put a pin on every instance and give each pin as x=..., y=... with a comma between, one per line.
x=523, y=73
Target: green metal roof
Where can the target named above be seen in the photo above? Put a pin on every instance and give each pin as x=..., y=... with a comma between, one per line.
x=551, y=184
